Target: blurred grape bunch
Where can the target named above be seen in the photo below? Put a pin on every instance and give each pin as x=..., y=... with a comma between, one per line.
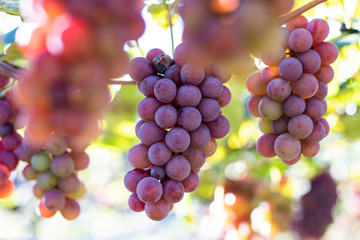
x=317, y=205
x=228, y=31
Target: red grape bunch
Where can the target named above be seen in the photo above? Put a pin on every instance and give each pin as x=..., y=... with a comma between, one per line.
x=76, y=49
x=181, y=118
x=289, y=94
x=9, y=142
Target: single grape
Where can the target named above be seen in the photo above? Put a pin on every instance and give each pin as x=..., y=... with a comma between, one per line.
x=211, y=87
x=149, y=190
x=158, y=172
x=196, y=157
x=181, y=54
x=5, y=112
x=9, y=159
x=310, y=61
x=54, y=200
x=264, y=126
x=290, y=69
x=270, y=109
x=323, y=102
x=4, y=174
x=173, y=191
x=317, y=133
x=11, y=142
x=328, y=52
x=255, y=85
x=293, y=105
x=37, y=191
x=150, y=133
x=253, y=105
x=153, y=53
x=166, y=117
x=322, y=91
x=6, y=129
x=133, y=177
x=297, y=22
x=272, y=57
x=199, y=137
x=147, y=108
x=56, y=144
x=219, y=128
x=325, y=125
x=309, y=149
x=325, y=74
x=177, y=139
x=314, y=109
x=280, y=125
x=300, y=40
x=135, y=203
x=138, y=156
x=188, y=96
x=287, y=147
x=268, y=74
x=319, y=30
x=192, y=74
x=292, y=161
x=219, y=72
x=44, y=212
x=173, y=73
x=191, y=183
x=177, y=168
x=278, y=89
x=165, y=90
x=300, y=126
x=209, y=109
x=62, y=166
x=71, y=210
x=29, y=173
x=158, y=210
x=40, y=161
x=210, y=148
x=306, y=85
x=138, y=125
x=69, y=184
x=265, y=145
x=140, y=68
x=147, y=85
x=159, y=153
x=189, y=118
x=81, y=160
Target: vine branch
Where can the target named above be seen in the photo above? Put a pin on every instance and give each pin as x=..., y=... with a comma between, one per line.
x=299, y=11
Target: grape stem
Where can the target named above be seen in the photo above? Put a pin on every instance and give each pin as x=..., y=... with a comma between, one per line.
x=169, y=10
x=9, y=70
x=284, y=19
x=122, y=82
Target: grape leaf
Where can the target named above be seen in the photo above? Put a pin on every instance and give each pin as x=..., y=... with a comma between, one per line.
x=159, y=13
x=10, y=7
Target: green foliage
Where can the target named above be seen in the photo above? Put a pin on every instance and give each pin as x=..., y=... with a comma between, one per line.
x=161, y=13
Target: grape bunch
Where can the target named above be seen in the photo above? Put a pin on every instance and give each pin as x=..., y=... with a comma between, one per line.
x=76, y=49
x=316, y=208
x=288, y=95
x=9, y=143
x=180, y=120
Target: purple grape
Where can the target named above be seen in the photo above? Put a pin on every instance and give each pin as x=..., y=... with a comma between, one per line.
x=265, y=145
x=199, y=137
x=209, y=109
x=6, y=129
x=278, y=89
x=189, y=118
x=287, y=147
x=9, y=159
x=322, y=91
x=173, y=191
x=147, y=108
x=196, y=157
x=280, y=125
x=181, y=54
x=253, y=105
x=290, y=69
x=62, y=166
x=54, y=200
x=325, y=124
x=177, y=139
x=140, y=68
x=211, y=87
x=317, y=133
x=314, y=109
x=135, y=203
x=56, y=144
x=147, y=85
x=310, y=61
x=188, y=96
x=191, y=74
x=166, y=117
x=300, y=126
x=69, y=184
x=5, y=112
x=157, y=172
x=219, y=128
x=138, y=156
x=150, y=133
x=319, y=30
x=159, y=153
x=149, y=190
x=306, y=85
x=219, y=72
x=225, y=97
x=191, y=183
x=138, y=125
x=165, y=90
x=157, y=211
x=177, y=168
x=133, y=177
x=294, y=105
x=173, y=73
x=300, y=40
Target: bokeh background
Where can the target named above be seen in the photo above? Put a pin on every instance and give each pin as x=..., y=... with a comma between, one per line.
x=241, y=195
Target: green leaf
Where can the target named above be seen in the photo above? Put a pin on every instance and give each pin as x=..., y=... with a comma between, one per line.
x=159, y=13
x=10, y=7
x=13, y=55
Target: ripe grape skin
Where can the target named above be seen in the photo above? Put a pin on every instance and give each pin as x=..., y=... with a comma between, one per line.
x=306, y=85
x=138, y=156
x=189, y=118
x=265, y=145
x=157, y=172
x=159, y=153
x=323, y=102
x=317, y=133
x=210, y=148
x=297, y=22
x=294, y=105
x=219, y=128
x=278, y=89
x=268, y=74
x=270, y=109
x=219, y=72
x=199, y=137
x=290, y=69
x=165, y=90
x=319, y=30
x=147, y=85
x=300, y=40
x=9, y=159
x=150, y=133
x=149, y=190
x=173, y=73
x=54, y=200
x=196, y=157
x=309, y=149
x=181, y=54
x=287, y=147
x=325, y=74
x=177, y=139
x=37, y=191
x=5, y=112
x=325, y=125
x=138, y=125
x=292, y=161
x=173, y=191
x=40, y=161
x=211, y=87
x=44, y=212
x=300, y=126
x=314, y=109
x=225, y=97
x=265, y=126
x=71, y=209
x=191, y=74
x=166, y=117
x=272, y=57
x=328, y=52
x=11, y=141
x=310, y=61
x=4, y=174
x=279, y=125
x=209, y=109
x=81, y=160
x=153, y=53
x=322, y=91
x=135, y=203
x=157, y=211
x=69, y=184
x=188, y=96
x=147, y=108
x=177, y=168
x=191, y=182
x=255, y=85
x=133, y=177
x=62, y=166
x=284, y=34
x=253, y=105
x=140, y=68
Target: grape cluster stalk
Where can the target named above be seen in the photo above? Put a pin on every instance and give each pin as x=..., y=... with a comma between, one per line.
x=288, y=95
x=75, y=50
x=180, y=122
